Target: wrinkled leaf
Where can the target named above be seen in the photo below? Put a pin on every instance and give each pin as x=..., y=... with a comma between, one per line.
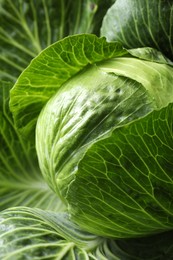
x=27, y=233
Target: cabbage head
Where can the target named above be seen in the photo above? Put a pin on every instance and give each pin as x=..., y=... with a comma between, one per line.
x=104, y=134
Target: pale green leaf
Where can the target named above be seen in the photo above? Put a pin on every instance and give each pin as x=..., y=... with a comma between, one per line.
x=82, y=112
x=27, y=233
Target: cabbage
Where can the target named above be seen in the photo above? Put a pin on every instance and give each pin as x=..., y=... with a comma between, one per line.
x=101, y=148
x=86, y=130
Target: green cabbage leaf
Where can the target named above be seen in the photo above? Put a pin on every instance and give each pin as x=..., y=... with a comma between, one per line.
x=141, y=23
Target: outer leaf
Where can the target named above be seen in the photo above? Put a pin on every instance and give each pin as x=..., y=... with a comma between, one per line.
x=21, y=182
x=34, y=234
x=123, y=186
x=51, y=69
x=141, y=23
x=28, y=26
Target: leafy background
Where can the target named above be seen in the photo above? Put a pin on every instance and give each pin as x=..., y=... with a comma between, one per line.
x=28, y=26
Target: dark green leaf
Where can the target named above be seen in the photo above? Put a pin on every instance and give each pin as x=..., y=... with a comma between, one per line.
x=124, y=183
x=140, y=23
